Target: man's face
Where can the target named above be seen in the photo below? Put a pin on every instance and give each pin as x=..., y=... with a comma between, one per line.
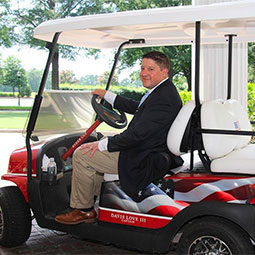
x=151, y=74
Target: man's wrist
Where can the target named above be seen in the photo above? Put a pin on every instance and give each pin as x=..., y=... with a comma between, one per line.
x=102, y=144
x=110, y=97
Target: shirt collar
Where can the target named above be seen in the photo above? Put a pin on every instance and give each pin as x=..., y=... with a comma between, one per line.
x=150, y=90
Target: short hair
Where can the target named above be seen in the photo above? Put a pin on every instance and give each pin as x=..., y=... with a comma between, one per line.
x=160, y=58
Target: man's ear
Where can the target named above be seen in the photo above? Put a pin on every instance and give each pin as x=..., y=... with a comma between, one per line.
x=165, y=71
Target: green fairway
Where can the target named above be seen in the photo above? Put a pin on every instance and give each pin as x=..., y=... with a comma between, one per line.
x=13, y=119
x=17, y=120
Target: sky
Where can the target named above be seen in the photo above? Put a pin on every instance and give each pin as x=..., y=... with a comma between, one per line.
x=32, y=58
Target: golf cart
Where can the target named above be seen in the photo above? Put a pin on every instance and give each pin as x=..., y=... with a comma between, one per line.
x=207, y=206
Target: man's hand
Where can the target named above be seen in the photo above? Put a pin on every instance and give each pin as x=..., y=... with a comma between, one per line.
x=99, y=92
x=86, y=147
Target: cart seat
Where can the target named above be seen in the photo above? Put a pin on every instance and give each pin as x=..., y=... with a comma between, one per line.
x=179, y=133
x=228, y=153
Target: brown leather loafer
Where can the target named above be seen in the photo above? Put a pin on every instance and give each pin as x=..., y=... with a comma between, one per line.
x=77, y=216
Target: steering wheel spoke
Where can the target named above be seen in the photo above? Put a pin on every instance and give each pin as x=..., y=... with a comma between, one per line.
x=106, y=113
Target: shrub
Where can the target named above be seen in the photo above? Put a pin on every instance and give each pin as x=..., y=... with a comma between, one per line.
x=6, y=94
x=26, y=91
x=134, y=93
x=130, y=92
x=185, y=96
x=251, y=101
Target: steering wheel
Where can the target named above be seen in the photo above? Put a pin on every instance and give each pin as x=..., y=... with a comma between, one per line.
x=107, y=114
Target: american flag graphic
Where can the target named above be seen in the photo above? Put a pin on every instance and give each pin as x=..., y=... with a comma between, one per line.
x=237, y=125
x=234, y=190
x=156, y=201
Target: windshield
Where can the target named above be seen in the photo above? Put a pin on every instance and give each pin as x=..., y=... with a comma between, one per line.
x=63, y=112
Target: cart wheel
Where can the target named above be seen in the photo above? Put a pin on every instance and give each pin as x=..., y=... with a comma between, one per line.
x=15, y=217
x=213, y=235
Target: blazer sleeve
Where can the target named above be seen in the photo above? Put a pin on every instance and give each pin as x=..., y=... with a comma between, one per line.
x=125, y=104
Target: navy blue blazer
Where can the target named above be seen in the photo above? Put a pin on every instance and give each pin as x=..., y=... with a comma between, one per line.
x=139, y=145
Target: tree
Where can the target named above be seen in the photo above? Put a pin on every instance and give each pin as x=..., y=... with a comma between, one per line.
x=180, y=56
x=180, y=59
x=34, y=78
x=123, y=5
x=68, y=76
x=180, y=82
x=135, y=78
x=90, y=79
x=26, y=91
x=251, y=62
x=102, y=79
x=42, y=10
x=14, y=74
x=1, y=71
x=125, y=82
x=7, y=37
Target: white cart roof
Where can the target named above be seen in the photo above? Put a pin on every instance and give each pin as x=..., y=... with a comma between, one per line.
x=161, y=26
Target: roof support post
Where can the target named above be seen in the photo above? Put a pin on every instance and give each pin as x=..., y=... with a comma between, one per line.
x=230, y=48
x=197, y=61
x=214, y=67
x=116, y=58
x=37, y=104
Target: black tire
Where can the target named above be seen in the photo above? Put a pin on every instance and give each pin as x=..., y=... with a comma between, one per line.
x=15, y=217
x=213, y=235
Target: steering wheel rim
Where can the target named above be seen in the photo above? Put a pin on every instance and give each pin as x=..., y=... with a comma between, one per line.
x=107, y=114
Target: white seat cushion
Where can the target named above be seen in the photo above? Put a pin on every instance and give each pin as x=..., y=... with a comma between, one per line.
x=238, y=161
x=241, y=116
x=228, y=153
x=228, y=115
x=177, y=129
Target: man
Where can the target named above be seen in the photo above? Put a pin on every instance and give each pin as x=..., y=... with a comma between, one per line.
x=139, y=154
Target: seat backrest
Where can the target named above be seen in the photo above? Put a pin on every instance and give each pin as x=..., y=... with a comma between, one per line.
x=180, y=128
x=226, y=115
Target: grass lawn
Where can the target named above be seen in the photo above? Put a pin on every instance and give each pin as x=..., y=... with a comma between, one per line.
x=13, y=119
x=17, y=120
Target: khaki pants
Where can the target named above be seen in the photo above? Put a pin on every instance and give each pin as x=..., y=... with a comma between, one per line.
x=88, y=174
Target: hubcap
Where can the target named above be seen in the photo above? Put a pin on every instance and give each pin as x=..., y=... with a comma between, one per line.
x=209, y=245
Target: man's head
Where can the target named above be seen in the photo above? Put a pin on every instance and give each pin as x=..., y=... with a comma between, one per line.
x=154, y=68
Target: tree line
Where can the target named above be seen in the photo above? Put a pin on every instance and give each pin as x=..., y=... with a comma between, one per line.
x=14, y=77
x=18, y=22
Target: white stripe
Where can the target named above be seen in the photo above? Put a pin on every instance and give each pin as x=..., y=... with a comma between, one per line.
x=157, y=200
x=146, y=205
x=25, y=175
x=134, y=213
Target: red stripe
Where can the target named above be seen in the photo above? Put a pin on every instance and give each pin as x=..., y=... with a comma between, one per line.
x=188, y=185
x=241, y=193
x=219, y=196
x=162, y=210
